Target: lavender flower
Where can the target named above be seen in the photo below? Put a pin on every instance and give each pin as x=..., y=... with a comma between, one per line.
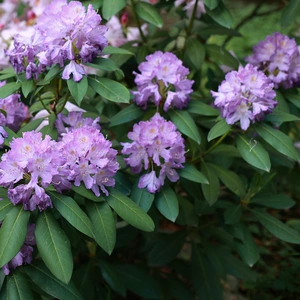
x=278, y=57
x=64, y=33
x=24, y=256
x=158, y=147
x=189, y=7
x=163, y=79
x=245, y=95
x=3, y=135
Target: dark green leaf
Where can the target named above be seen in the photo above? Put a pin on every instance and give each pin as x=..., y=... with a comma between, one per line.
x=233, y=214
x=194, y=54
x=9, y=88
x=149, y=13
x=111, y=7
x=27, y=87
x=54, y=246
x=141, y=197
x=281, y=117
x=221, y=56
x=127, y=114
x=202, y=109
x=32, y=125
x=56, y=69
x=78, y=89
x=218, y=129
x=71, y=211
x=280, y=141
x=104, y=64
x=13, y=233
x=185, y=124
x=211, y=4
x=276, y=227
x=211, y=191
x=167, y=203
x=41, y=276
x=253, y=153
x=110, y=90
x=129, y=211
x=18, y=288
x=190, y=172
x=274, y=201
x=5, y=207
x=290, y=13
x=81, y=190
x=113, y=50
x=227, y=150
x=104, y=225
x=221, y=15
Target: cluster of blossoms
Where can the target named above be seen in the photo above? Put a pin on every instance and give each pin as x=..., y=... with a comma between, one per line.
x=15, y=111
x=278, y=57
x=24, y=256
x=65, y=32
x=33, y=163
x=157, y=146
x=244, y=95
x=163, y=80
x=189, y=7
x=119, y=33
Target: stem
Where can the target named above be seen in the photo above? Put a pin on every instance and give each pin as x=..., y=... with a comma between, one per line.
x=138, y=23
x=64, y=104
x=41, y=100
x=217, y=143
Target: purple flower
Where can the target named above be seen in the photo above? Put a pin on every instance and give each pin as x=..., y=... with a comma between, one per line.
x=3, y=135
x=245, y=95
x=278, y=57
x=158, y=147
x=163, y=79
x=24, y=256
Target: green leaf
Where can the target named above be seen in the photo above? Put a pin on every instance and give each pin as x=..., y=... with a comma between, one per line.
x=139, y=281
x=54, y=246
x=290, y=13
x=149, y=13
x=113, y=50
x=55, y=70
x=231, y=180
x=218, y=129
x=221, y=15
x=78, y=89
x=233, y=214
x=27, y=87
x=41, y=276
x=211, y=4
x=202, y=109
x=32, y=125
x=185, y=124
x=194, y=55
x=5, y=207
x=10, y=137
x=126, y=115
x=111, y=7
x=9, y=88
x=253, y=153
x=112, y=277
x=279, y=116
x=274, y=201
x=211, y=191
x=104, y=225
x=141, y=197
x=167, y=203
x=280, y=141
x=129, y=211
x=71, y=211
x=13, y=233
x=18, y=288
x=205, y=280
x=88, y=194
x=166, y=248
x=110, y=90
x=276, y=227
x=221, y=56
x=190, y=172
x=227, y=150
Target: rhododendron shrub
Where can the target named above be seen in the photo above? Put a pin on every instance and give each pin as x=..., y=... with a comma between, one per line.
x=149, y=149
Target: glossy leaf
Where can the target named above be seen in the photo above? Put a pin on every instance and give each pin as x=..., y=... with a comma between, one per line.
x=221, y=56
x=55, y=70
x=127, y=114
x=253, y=153
x=71, y=211
x=9, y=88
x=34, y=124
x=27, y=87
x=81, y=190
x=12, y=233
x=54, y=246
x=78, y=89
x=221, y=15
x=202, y=109
x=280, y=141
x=281, y=117
x=233, y=214
x=111, y=7
x=190, y=172
x=114, y=50
x=17, y=287
x=290, y=13
x=5, y=207
x=104, y=64
x=274, y=201
x=167, y=203
x=110, y=89
x=218, y=129
x=194, y=55
x=129, y=211
x=211, y=4
x=227, y=150
x=149, y=13
x=41, y=276
x=104, y=225
x=210, y=191
x=276, y=227
x=185, y=124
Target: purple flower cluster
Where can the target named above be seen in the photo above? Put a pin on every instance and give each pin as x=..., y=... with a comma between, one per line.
x=245, y=95
x=15, y=111
x=163, y=81
x=24, y=256
x=157, y=146
x=278, y=57
x=74, y=120
x=65, y=32
x=33, y=163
